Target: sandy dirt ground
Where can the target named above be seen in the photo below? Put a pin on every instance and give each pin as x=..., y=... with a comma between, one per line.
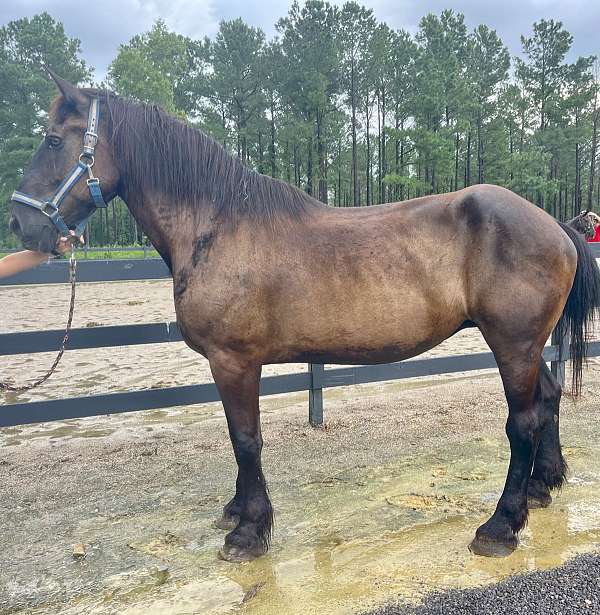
x=380, y=503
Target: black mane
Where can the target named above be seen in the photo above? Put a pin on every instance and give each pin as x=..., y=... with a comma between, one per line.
x=159, y=152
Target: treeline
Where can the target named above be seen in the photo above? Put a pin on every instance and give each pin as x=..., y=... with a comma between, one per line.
x=345, y=107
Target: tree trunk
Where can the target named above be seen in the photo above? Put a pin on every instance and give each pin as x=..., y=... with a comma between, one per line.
x=369, y=196
x=244, y=149
x=577, y=199
x=396, y=151
x=593, y=150
x=379, y=162
x=339, y=190
x=272, y=147
x=456, y=151
x=260, y=154
x=355, y=188
x=296, y=165
x=479, y=152
x=309, y=166
x=384, y=198
x=288, y=164
x=512, y=149
x=402, y=161
x=224, y=125
x=323, y=196
x=468, y=161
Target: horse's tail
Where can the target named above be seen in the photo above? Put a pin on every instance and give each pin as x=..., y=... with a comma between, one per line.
x=582, y=303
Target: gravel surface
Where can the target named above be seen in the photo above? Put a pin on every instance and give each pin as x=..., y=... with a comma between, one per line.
x=572, y=589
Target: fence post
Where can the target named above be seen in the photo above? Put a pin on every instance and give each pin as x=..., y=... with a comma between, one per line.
x=315, y=394
x=558, y=367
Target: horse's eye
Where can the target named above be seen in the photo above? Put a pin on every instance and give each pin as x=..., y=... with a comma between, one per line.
x=53, y=141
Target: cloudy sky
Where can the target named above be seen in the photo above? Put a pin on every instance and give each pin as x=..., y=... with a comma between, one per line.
x=103, y=26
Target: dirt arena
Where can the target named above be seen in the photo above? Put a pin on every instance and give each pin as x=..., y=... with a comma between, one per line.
x=379, y=504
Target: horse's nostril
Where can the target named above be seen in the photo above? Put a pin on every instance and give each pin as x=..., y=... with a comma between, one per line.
x=14, y=225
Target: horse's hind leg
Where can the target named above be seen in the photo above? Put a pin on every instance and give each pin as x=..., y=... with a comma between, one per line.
x=549, y=468
x=519, y=366
x=238, y=384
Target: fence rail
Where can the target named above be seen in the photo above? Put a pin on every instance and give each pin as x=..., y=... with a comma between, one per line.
x=315, y=380
x=57, y=272
x=86, y=249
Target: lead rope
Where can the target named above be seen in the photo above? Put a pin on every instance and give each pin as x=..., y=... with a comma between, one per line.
x=5, y=386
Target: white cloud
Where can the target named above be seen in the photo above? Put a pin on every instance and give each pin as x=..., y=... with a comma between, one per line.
x=103, y=27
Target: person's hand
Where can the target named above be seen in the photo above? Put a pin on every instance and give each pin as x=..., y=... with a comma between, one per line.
x=64, y=243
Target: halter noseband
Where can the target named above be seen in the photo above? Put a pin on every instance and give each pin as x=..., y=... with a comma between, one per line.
x=50, y=207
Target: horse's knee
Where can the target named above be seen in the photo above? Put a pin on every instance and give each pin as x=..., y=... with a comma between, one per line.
x=524, y=426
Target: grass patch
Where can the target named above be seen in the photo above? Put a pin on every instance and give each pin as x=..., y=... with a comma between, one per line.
x=104, y=253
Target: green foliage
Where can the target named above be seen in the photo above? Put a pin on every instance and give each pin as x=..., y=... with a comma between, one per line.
x=160, y=67
x=340, y=104
x=27, y=46
x=238, y=73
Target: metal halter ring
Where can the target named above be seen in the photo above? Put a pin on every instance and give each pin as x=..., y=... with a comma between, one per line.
x=87, y=157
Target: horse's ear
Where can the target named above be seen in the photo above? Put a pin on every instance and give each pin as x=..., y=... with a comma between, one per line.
x=70, y=93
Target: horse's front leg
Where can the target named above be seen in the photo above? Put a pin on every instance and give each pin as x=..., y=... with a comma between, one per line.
x=238, y=382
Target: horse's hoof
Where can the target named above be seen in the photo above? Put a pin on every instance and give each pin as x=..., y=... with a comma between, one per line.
x=231, y=553
x=227, y=522
x=538, y=501
x=492, y=548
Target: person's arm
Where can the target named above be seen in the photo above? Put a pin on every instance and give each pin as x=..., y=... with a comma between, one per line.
x=20, y=261
x=28, y=259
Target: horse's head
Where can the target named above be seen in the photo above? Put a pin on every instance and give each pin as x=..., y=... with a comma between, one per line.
x=585, y=223
x=70, y=171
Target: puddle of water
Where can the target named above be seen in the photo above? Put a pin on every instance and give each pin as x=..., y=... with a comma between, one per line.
x=354, y=539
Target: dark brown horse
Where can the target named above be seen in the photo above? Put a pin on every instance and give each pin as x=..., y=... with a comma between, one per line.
x=263, y=273
x=585, y=223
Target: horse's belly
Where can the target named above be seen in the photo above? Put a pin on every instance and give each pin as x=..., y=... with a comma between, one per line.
x=357, y=356
x=368, y=342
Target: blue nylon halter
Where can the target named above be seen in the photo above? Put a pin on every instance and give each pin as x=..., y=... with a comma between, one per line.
x=50, y=207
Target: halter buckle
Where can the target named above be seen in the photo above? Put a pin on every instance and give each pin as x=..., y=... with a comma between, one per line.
x=52, y=206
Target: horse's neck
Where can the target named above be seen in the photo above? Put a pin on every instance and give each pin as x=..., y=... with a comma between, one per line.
x=170, y=229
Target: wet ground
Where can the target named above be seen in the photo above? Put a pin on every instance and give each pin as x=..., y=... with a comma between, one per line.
x=570, y=589
x=378, y=506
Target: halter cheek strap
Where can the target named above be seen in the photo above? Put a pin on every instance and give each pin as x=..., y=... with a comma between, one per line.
x=50, y=207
